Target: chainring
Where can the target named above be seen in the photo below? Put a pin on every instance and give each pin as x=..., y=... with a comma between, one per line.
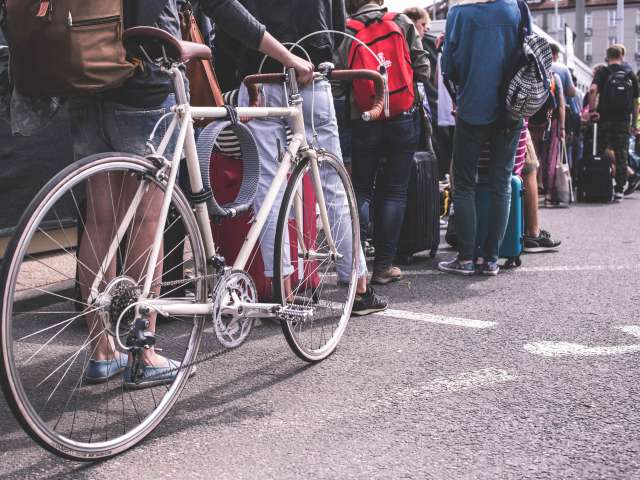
x=231, y=327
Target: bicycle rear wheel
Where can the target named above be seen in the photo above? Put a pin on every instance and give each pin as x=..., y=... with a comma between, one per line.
x=317, y=287
x=47, y=343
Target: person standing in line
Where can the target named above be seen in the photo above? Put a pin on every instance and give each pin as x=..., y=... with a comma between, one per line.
x=480, y=40
x=422, y=21
x=121, y=119
x=395, y=139
x=615, y=91
x=563, y=72
x=290, y=20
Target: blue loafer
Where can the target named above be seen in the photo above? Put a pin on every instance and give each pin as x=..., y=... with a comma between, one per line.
x=99, y=371
x=153, y=376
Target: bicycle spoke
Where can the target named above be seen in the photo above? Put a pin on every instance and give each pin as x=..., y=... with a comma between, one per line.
x=57, y=324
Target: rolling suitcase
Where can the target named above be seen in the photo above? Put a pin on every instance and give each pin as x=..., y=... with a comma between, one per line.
x=595, y=183
x=229, y=233
x=513, y=241
x=421, y=227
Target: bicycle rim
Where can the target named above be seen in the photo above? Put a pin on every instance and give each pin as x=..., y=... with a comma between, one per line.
x=322, y=286
x=47, y=342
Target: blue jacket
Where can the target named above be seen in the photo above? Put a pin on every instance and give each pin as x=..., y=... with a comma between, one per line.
x=481, y=38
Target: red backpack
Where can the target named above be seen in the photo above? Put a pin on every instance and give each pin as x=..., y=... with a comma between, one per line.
x=385, y=38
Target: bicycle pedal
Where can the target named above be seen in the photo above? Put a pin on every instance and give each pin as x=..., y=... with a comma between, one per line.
x=295, y=313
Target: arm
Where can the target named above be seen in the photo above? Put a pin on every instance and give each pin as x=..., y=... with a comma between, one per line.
x=448, y=49
x=272, y=47
x=419, y=57
x=562, y=114
x=340, y=59
x=235, y=20
x=593, y=95
x=339, y=18
x=636, y=103
x=239, y=24
x=570, y=89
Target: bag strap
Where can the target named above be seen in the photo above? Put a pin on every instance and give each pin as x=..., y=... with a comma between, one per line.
x=356, y=25
x=390, y=16
x=195, y=35
x=250, y=167
x=523, y=27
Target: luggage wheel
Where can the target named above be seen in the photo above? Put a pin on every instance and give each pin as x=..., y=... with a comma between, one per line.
x=512, y=263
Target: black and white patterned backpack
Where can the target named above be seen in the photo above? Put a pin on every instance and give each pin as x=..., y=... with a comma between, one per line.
x=529, y=82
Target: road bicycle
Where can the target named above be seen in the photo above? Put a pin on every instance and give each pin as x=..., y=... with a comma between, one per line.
x=126, y=305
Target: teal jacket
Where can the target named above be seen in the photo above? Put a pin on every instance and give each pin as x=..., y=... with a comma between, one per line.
x=480, y=39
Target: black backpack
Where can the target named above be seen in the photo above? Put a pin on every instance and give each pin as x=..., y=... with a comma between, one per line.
x=618, y=92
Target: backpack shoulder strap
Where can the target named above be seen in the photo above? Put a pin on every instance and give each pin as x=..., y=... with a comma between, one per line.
x=523, y=28
x=355, y=25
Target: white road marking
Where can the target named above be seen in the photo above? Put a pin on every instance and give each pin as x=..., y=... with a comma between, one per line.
x=631, y=330
x=567, y=349
x=465, y=381
x=439, y=319
x=399, y=393
x=549, y=269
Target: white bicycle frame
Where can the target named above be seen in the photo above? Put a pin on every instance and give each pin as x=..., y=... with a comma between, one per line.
x=183, y=117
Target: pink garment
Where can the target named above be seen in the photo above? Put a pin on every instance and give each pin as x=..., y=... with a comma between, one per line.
x=521, y=151
x=552, y=158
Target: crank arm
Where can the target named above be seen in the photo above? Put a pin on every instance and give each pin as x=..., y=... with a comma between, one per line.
x=313, y=255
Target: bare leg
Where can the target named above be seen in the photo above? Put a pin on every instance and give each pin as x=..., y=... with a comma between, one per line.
x=143, y=227
x=531, y=221
x=98, y=231
x=108, y=197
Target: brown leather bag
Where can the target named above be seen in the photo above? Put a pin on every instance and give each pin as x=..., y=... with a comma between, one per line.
x=65, y=47
x=203, y=83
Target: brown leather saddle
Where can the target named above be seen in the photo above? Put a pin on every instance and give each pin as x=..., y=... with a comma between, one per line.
x=157, y=46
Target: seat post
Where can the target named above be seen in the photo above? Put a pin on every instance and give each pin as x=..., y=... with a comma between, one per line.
x=178, y=85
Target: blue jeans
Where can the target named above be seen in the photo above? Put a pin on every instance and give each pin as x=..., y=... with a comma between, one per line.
x=270, y=134
x=396, y=140
x=467, y=142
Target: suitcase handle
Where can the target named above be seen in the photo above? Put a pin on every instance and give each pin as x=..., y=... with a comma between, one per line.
x=595, y=139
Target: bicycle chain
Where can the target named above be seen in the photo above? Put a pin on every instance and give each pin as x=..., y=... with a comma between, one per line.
x=210, y=355
x=185, y=281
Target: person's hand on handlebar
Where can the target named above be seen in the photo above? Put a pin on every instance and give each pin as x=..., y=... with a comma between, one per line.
x=304, y=69
x=276, y=50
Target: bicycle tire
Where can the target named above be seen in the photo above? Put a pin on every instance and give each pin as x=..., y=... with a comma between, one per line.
x=15, y=384
x=313, y=276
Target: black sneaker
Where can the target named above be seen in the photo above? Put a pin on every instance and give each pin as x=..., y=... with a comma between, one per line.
x=542, y=243
x=368, y=303
x=632, y=186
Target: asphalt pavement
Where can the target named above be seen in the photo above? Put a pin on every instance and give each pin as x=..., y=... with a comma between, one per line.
x=529, y=375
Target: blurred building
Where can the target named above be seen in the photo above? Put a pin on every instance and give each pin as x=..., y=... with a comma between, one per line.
x=600, y=25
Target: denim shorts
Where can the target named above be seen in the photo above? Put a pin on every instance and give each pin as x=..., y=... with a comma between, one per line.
x=99, y=125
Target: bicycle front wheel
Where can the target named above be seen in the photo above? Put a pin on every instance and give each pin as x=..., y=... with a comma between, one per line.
x=315, y=282
x=63, y=372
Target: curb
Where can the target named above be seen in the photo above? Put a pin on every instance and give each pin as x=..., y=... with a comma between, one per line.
x=32, y=299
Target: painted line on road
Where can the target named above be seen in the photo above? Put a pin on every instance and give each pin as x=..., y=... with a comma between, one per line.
x=549, y=269
x=460, y=382
x=568, y=349
x=467, y=380
x=439, y=319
